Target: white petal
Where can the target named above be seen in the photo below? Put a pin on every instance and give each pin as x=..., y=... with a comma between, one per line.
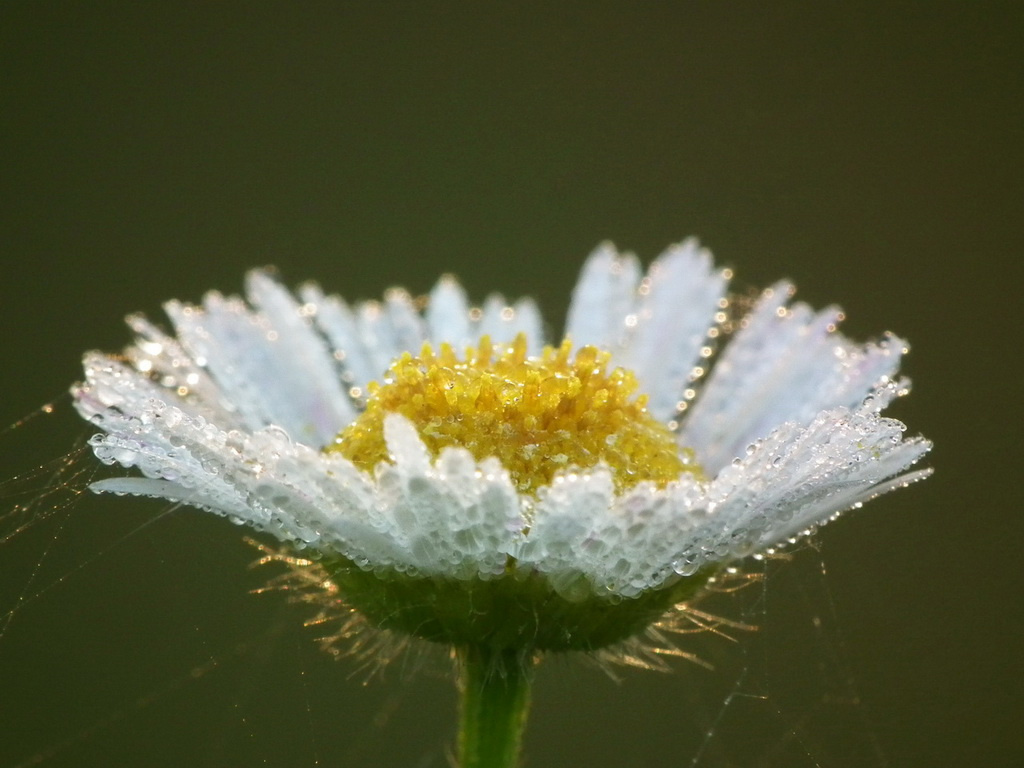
x=563, y=523
x=389, y=329
x=273, y=368
x=679, y=298
x=452, y=517
x=404, y=444
x=527, y=320
x=311, y=381
x=603, y=299
x=799, y=477
x=587, y=540
x=161, y=358
x=408, y=329
x=169, y=491
x=449, y=319
x=783, y=365
x=337, y=322
x=496, y=320
x=448, y=314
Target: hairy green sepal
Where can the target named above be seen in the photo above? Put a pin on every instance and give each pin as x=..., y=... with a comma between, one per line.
x=521, y=613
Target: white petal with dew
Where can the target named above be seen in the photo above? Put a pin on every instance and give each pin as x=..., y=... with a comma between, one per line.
x=311, y=383
x=273, y=375
x=584, y=537
x=447, y=314
x=674, y=314
x=388, y=329
x=527, y=320
x=161, y=359
x=783, y=365
x=453, y=517
x=337, y=322
x=798, y=477
x=603, y=299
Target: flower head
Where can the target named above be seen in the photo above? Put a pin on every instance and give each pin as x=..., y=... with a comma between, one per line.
x=465, y=483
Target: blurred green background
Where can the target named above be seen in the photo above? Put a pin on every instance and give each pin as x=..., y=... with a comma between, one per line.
x=872, y=153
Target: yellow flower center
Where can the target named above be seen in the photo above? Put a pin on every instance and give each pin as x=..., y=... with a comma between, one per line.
x=537, y=415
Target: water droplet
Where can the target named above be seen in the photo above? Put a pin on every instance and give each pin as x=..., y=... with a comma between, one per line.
x=687, y=565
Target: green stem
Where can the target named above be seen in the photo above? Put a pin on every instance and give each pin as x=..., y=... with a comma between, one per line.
x=494, y=687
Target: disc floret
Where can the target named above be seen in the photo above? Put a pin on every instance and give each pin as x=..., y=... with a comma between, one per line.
x=537, y=415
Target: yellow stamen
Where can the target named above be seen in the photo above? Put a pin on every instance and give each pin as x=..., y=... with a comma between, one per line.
x=537, y=415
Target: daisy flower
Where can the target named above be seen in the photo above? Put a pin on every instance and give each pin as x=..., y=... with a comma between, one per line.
x=464, y=483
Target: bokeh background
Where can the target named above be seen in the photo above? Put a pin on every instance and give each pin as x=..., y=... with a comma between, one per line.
x=870, y=152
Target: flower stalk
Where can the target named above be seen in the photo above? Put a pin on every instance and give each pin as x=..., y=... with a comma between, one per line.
x=494, y=691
